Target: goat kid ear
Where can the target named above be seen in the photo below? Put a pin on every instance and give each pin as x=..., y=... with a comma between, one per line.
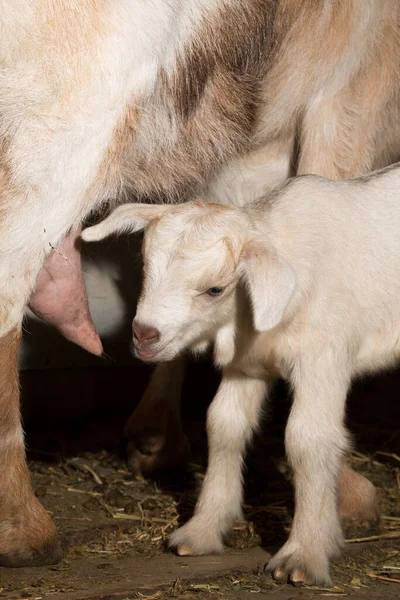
x=270, y=283
x=127, y=218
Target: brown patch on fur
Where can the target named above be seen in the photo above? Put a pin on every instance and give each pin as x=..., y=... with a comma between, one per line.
x=9, y=418
x=66, y=40
x=224, y=49
x=27, y=533
x=208, y=105
x=112, y=170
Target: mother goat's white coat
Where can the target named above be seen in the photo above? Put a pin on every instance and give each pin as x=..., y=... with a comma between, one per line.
x=320, y=263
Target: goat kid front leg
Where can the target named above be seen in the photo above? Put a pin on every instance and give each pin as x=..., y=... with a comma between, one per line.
x=154, y=430
x=232, y=417
x=316, y=440
x=27, y=534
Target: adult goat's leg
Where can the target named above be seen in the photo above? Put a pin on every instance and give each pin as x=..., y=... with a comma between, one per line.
x=29, y=228
x=27, y=534
x=154, y=430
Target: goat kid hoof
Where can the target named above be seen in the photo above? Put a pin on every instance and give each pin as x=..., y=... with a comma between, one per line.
x=184, y=550
x=49, y=554
x=296, y=577
x=278, y=575
x=192, y=540
x=293, y=570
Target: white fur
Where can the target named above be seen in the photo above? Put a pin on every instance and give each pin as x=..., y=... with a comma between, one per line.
x=251, y=176
x=321, y=264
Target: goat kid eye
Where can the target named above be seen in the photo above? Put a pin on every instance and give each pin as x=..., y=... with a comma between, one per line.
x=215, y=291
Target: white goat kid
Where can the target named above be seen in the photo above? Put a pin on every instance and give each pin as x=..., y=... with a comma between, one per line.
x=319, y=262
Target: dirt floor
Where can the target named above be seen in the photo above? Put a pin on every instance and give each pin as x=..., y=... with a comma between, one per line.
x=114, y=528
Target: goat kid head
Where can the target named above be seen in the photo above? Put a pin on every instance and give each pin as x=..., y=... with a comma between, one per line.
x=197, y=257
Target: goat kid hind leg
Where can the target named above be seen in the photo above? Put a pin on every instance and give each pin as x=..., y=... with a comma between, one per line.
x=315, y=441
x=232, y=417
x=337, y=143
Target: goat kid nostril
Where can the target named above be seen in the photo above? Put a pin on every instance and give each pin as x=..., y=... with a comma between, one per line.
x=145, y=333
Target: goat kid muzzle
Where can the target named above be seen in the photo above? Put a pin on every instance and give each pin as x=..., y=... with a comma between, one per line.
x=145, y=340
